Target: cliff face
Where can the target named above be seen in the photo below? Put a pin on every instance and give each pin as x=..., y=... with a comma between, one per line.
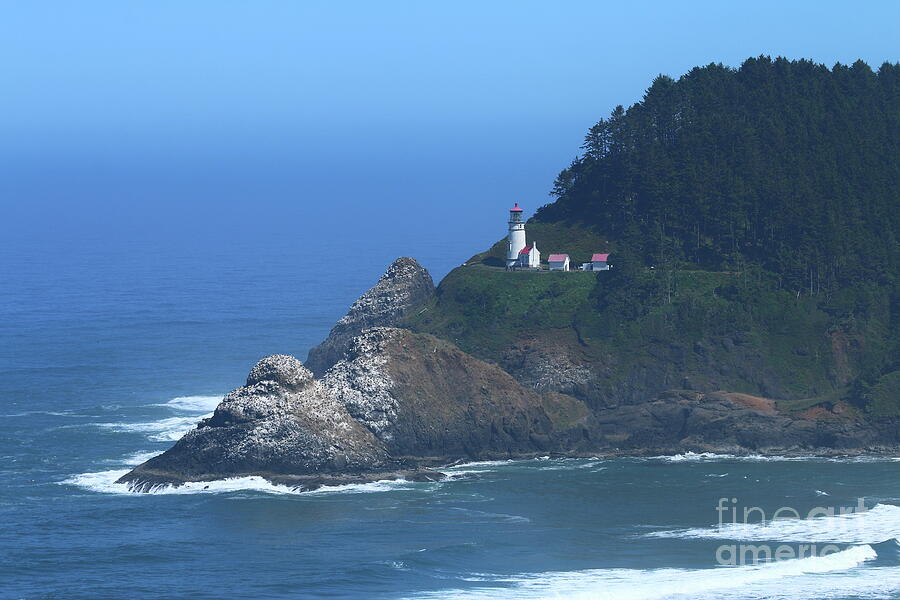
x=404, y=286
x=397, y=402
x=580, y=334
x=684, y=420
x=423, y=397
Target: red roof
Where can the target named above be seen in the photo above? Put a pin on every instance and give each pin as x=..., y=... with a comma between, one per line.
x=515, y=208
x=557, y=258
x=525, y=250
x=600, y=258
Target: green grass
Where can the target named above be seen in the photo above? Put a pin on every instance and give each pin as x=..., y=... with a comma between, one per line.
x=722, y=330
x=552, y=238
x=483, y=309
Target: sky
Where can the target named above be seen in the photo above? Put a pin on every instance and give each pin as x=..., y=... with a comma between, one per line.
x=206, y=120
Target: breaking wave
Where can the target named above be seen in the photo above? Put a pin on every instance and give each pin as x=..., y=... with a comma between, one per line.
x=691, y=457
x=105, y=482
x=386, y=485
x=171, y=429
x=790, y=579
x=543, y=463
x=193, y=403
x=868, y=527
x=137, y=458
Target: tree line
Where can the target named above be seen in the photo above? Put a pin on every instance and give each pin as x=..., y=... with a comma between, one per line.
x=783, y=165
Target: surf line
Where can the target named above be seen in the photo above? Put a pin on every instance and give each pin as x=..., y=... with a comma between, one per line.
x=754, y=554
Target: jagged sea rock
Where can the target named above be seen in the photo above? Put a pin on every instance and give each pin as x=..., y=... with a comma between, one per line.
x=405, y=286
x=282, y=423
x=397, y=403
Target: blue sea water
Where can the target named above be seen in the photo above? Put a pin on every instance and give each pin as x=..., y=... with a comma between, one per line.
x=109, y=350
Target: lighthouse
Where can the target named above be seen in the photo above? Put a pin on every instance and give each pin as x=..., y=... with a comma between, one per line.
x=516, y=236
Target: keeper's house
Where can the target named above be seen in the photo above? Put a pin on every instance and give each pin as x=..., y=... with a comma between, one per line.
x=600, y=262
x=529, y=257
x=558, y=262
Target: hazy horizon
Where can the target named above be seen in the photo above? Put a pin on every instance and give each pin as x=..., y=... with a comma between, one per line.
x=209, y=122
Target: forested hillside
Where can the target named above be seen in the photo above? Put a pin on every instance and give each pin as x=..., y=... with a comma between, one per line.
x=752, y=215
x=786, y=164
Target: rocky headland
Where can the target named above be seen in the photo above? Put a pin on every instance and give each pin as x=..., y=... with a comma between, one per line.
x=382, y=401
x=396, y=404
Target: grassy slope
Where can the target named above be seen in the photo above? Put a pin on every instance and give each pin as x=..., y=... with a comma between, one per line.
x=573, y=239
x=485, y=309
x=758, y=340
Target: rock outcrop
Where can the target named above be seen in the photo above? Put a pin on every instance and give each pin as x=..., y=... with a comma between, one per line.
x=393, y=403
x=684, y=420
x=424, y=398
x=404, y=287
x=281, y=423
x=397, y=403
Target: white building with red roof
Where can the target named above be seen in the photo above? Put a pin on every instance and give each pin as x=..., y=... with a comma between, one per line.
x=529, y=257
x=558, y=262
x=600, y=262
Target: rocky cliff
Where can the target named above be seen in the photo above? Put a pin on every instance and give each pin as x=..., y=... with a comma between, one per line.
x=425, y=399
x=404, y=286
x=394, y=403
x=281, y=423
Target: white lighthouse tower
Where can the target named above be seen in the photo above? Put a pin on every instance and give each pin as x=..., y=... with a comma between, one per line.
x=516, y=236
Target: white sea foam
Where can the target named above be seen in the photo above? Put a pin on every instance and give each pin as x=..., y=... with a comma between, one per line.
x=481, y=515
x=480, y=463
x=461, y=473
x=164, y=430
x=834, y=576
x=202, y=404
x=869, y=527
x=691, y=457
x=105, y=482
x=464, y=470
x=171, y=429
x=543, y=463
x=29, y=413
x=385, y=485
x=138, y=458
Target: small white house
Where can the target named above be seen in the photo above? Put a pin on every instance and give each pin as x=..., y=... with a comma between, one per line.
x=558, y=262
x=530, y=257
x=600, y=262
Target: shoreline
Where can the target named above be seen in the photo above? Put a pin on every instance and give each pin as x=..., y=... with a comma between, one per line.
x=429, y=470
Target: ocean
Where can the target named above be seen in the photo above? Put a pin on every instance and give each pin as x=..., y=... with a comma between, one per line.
x=110, y=350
